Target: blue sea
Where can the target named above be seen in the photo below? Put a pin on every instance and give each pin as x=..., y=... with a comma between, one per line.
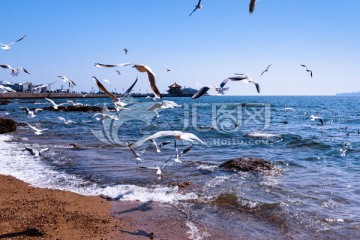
x=313, y=192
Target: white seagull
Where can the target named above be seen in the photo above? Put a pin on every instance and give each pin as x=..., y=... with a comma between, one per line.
x=164, y=104
x=140, y=68
x=35, y=152
x=31, y=114
x=4, y=89
x=105, y=116
x=179, y=135
x=197, y=7
x=178, y=155
x=137, y=155
x=66, y=121
x=241, y=77
x=167, y=69
x=14, y=71
x=54, y=105
x=205, y=89
x=288, y=109
x=118, y=102
x=316, y=117
x=7, y=47
x=267, y=69
x=37, y=131
x=158, y=147
x=65, y=79
x=158, y=173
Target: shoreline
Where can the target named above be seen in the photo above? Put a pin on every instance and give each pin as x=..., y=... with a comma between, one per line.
x=27, y=212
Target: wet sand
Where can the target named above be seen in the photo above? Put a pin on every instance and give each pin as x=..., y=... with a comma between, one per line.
x=27, y=213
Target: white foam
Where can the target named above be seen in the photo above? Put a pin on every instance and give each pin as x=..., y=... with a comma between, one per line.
x=194, y=232
x=261, y=135
x=16, y=162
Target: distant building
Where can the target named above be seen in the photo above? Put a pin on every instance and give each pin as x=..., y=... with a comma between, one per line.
x=18, y=87
x=174, y=89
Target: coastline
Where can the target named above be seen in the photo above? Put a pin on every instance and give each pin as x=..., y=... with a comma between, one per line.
x=27, y=212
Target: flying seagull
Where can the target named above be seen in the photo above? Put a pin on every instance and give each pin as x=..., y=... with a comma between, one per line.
x=159, y=173
x=7, y=47
x=178, y=155
x=197, y=6
x=31, y=114
x=167, y=69
x=66, y=121
x=118, y=72
x=54, y=105
x=158, y=147
x=118, y=102
x=35, y=152
x=137, y=155
x=140, y=68
x=164, y=104
x=65, y=79
x=267, y=69
x=179, y=135
x=14, y=71
x=241, y=77
x=37, y=131
x=126, y=50
x=205, y=89
x=315, y=117
x=252, y=6
x=308, y=70
x=4, y=89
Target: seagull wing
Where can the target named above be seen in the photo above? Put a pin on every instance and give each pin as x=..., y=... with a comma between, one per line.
x=154, y=107
x=34, y=128
x=24, y=70
x=18, y=40
x=51, y=101
x=224, y=82
x=127, y=92
x=102, y=88
x=152, y=82
x=257, y=87
x=252, y=6
x=110, y=65
x=44, y=150
x=201, y=92
x=6, y=66
x=186, y=150
x=31, y=151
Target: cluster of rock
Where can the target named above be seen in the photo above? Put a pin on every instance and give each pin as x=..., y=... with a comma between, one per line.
x=75, y=108
x=7, y=125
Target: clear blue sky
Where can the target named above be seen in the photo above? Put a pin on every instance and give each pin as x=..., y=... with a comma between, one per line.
x=68, y=37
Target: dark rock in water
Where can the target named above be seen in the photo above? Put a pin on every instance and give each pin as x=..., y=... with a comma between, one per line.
x=247, y=164
x=226, y=199
x=4, y=102
x=7, y=125
x=75, y=109
x=180, y=184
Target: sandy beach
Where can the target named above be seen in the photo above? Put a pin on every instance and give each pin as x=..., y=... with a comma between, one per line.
x=27, y=212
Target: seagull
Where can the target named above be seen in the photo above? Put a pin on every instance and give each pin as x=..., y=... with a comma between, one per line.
x=118, y=72
x=252, y=6
x=105, y=116
x=289, y=109
x=167, y=69
x=140, y=68
x=107, y=81
x=308, y=70
x=38, y=88
x=205, y=89
x=164, y=104
x=160, y=145
x=137, y=155
x=267, y=69
x=37, y=131
x=159, y=173
x=315, y=117
x=197, y=6
x=35, y=152
x=66, y=121
x=178, y=155
x=126, y=50
x=241, y=77
x=4, y=89
x=7, y=47
x=31, y=114
x=177, y=134
x=118, y=102
x=54, y=105
x=14, y=71
x=65, y=79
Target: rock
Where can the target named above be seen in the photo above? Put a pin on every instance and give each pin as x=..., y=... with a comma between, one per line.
x=226, y=199
x=7, y=125
x=4, y=102
x=75, y=109
x=247, y=164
